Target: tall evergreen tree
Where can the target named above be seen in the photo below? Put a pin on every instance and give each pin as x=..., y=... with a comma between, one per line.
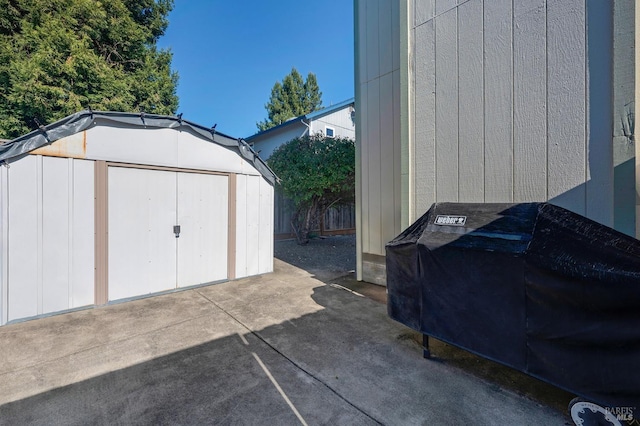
x=291, y=98
x=60, y=56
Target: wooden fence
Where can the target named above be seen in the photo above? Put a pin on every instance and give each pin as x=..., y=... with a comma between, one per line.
x=337, y=220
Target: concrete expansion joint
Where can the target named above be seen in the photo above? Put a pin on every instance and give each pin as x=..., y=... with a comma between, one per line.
x=291, y=361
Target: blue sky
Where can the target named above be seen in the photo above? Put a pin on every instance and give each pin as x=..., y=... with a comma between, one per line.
x=229, y=54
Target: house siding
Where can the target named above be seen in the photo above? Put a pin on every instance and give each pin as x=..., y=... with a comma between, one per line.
x=378, y=162
x=341, y=121
x=507, y=101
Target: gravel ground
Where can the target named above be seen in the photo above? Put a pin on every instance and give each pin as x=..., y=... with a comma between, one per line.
x=324, y=257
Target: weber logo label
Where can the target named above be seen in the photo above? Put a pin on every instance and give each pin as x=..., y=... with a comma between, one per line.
x=450, y=220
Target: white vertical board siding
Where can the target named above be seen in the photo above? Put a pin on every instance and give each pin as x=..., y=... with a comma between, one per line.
x=82, y=241
x=566, y=97
x=23, y=285
x=203, y=218
x=55, y=234
x=498, y=101
x=4, y=246
x=446, y=65
x=530, y=100
x=142, y=248
x=254, y=226
x=265, y=229
x=50, y=253
x=241, y=231
x=471, y=102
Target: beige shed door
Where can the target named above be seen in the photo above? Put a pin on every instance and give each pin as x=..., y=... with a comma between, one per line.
x=145, y=207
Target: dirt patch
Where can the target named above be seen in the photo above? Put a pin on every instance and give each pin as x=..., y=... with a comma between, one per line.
x=325, y=257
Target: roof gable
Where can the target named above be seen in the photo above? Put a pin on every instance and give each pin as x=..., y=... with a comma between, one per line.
x=84, y=120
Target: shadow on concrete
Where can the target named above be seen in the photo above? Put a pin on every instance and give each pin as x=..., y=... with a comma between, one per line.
x=346, y=363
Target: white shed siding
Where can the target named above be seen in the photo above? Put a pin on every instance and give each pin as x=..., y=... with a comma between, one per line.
x=162, y=147
x=146, y=181
x=203, y=216
x=265, y=229
x=4, y=243
x=254, y=242
x=142, y=213
x=49, y=244
x=508, y=101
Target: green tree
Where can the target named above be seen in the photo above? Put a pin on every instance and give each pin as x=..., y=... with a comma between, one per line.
x=60, y=56
x=316, y=172
x=291, y=98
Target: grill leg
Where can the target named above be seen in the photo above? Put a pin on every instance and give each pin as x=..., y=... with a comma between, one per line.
x=426, y=353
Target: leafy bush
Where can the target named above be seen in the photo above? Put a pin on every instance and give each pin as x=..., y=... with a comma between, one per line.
x=316, y=172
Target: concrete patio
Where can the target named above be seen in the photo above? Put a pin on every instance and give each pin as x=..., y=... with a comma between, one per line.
x=283, y=348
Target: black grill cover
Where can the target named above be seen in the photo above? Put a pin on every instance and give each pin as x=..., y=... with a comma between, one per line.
x=533, y=286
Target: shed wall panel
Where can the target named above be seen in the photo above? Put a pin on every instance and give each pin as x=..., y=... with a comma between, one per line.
x=196, y=153
x=265, y=228
x=82, y=275
x=56, y=250
x=140, y=146
x=142, y=213
x=202, y=216
x=252, y=224
x=241, y=230
x=4, y=245
x=23, y=228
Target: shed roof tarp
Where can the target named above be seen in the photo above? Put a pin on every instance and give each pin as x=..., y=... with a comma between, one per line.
x=534, y=286
x=86, y=119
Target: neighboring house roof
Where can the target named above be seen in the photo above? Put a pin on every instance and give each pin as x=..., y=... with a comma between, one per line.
x=83, y=120
x=310, y=116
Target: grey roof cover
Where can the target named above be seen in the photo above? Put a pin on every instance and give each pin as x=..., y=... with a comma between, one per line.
x=86, y=119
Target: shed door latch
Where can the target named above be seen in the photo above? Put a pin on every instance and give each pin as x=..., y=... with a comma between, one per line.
x=176, y=230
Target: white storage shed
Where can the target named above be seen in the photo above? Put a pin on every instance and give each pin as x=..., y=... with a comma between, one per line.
x=105, y=206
